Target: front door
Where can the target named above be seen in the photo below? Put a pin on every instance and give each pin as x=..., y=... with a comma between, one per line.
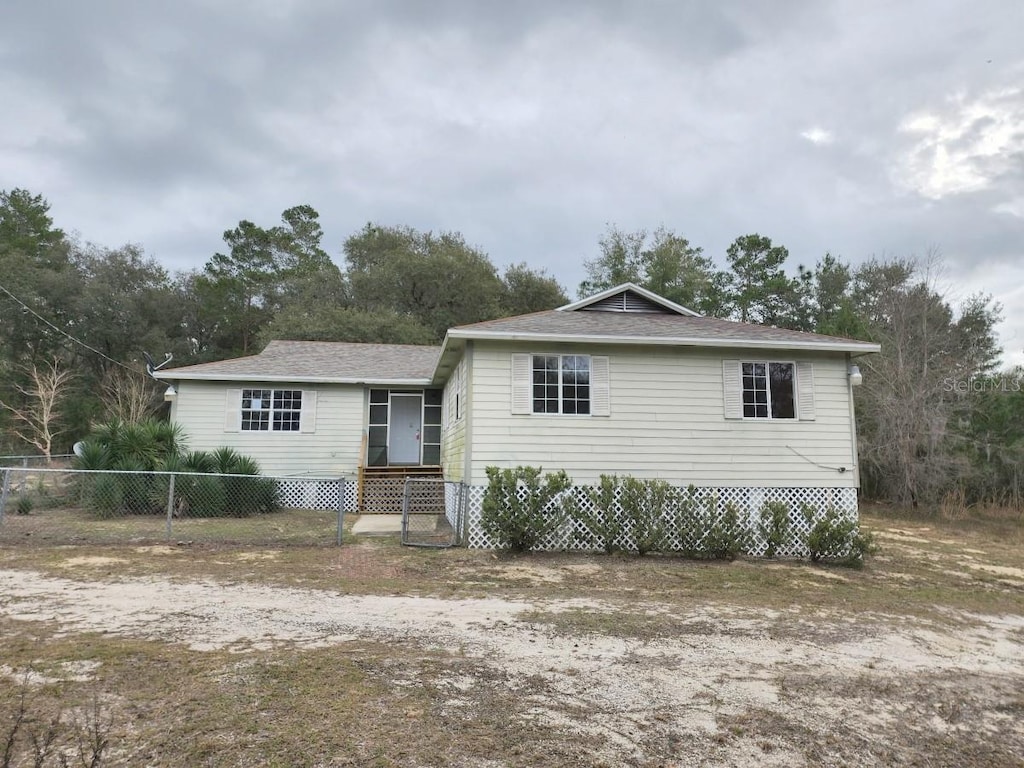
x=406, y=425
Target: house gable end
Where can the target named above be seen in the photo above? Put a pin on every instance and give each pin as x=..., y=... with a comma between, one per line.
x=628, y=297
x=627, y=301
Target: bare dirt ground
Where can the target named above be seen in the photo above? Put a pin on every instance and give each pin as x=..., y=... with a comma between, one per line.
x=482, y=661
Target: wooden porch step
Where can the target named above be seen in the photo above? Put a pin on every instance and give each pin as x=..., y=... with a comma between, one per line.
x=403, y=471
x=381, y=490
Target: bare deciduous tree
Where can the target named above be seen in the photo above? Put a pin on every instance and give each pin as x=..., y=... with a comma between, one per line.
x=35, y=422
x=128, y=397
x=907, y=413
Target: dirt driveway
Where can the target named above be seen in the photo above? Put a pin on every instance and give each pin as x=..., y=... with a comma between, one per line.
x=627, y=675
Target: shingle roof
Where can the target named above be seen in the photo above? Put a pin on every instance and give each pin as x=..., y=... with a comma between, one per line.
x=321, y=361
x=343, y=362
x=659, y=328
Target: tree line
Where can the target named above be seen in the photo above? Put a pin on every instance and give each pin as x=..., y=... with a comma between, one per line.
x=936, y=421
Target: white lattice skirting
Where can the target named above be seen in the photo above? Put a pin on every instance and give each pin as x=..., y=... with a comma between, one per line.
x=571, y=535
x=317, y=493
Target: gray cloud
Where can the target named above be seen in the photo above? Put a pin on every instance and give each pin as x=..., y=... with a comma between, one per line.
x=529, y=126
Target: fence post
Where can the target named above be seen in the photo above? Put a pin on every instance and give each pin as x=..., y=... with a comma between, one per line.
x=3, y=495
x=170, y=506
x=341, y=508
x=464, y=520
x=405, y=510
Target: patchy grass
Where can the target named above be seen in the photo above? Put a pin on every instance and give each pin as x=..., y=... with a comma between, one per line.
x=72, y=525
x=922, y=569
x=353, y=704
x=611, y=661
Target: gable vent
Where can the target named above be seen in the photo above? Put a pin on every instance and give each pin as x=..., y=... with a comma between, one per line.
x=627, y=301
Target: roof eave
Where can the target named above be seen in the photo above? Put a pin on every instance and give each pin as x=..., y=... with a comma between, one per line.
x=172, y=376
x=450, y=349
x=673, y=341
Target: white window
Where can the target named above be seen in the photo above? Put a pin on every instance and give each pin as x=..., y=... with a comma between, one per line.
x=271, y=410
x=576, y=385
x=455, y=395
x=768, y=389
x=561, y=384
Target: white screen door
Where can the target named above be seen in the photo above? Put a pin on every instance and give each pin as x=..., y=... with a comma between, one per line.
x=406, y=424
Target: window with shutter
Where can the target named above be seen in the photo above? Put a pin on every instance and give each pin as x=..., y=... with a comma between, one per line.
x=521, y=387
x=600, y=386
x=765, y=389
x=805, y=391
x=576, y=385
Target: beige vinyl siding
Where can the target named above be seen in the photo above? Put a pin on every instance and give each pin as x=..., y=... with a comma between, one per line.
x=667, y=420
x=331, y=449
x=453, y=441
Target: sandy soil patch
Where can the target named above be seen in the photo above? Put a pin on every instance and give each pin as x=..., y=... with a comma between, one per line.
x=583, y=569
x=270, y=554
x=623, y=690
x=157, y=549
x=536, y=573
x=91, y=561
x=802, y=571
x=998, y=570
x=68, y=671
x=893, y=534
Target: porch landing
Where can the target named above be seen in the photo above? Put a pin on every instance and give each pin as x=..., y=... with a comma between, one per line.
x=390, y=525
x=377, y=525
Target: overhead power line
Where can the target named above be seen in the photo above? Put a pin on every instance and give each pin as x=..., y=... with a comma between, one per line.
x=64, y=333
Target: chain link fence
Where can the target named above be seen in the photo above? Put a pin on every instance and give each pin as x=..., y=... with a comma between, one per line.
x=59, y=460
x=49, y=505
x=433, y=512
x=33, y=461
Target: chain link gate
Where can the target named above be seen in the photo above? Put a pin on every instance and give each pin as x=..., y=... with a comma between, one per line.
x=433, y=512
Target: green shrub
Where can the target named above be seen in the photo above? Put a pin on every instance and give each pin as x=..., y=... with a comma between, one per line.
x=155, y=445
x=644, y=505
x=138, y=493
x=205, y=497
x=228, y=461
x=266, y=495
x=837, y=538
x=230, y=496
x=93, y=455
x=105, y=496
x=726, y=534
x=687, y=516
x=627, y=513
x=245, y=492
x=600, y=515
x=141, y=446
x=774, y=526
x=520, y=509
x=199, y=461
x=245, y=465
x=24, y=505
x=253, y=495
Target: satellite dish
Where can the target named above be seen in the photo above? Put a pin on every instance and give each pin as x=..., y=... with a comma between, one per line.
x=78, y=448
x=152, y=367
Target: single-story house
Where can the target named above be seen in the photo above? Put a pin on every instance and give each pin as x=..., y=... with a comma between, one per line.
x=622, y=382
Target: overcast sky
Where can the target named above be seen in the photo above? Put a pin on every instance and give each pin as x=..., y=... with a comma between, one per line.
x=857, y=127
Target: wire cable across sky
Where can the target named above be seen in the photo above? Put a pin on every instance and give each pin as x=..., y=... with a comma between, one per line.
x=64, y=333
